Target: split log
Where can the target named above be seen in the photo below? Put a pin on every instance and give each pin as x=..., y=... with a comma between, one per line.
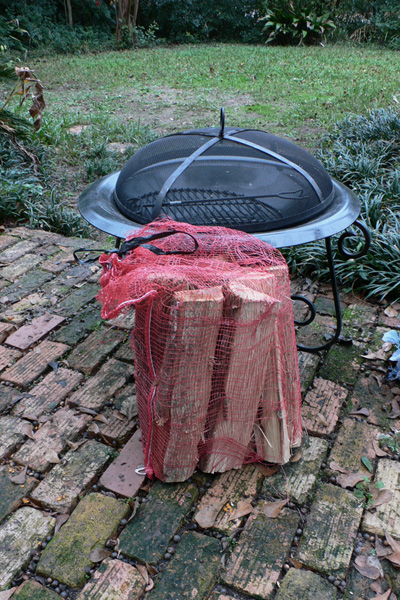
x=231, y=427
x=279, y=413
x=195, y=319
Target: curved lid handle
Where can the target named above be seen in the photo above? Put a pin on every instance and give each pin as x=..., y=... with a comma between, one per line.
x=222, y=122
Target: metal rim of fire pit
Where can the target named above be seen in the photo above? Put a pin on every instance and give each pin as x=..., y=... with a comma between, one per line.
x=157, y=183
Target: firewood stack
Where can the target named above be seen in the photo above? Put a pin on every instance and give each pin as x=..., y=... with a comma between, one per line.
x=215, y=356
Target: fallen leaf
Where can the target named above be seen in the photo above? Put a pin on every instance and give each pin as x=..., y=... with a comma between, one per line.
x=391, y=312
x=267, y=471
x=143, y=572
x=75, y=445
x=376, y=586
x=381, y=551
x=27, y=430
x=87, y=411
x=20, y=478
x=206, y=516
x=394, y=559
x=362, y=412
x=29, y=416
x=381, y=497
x=378, y=450
x=60, y=520
x=152, y=571
x=369, y=566
x=149, y=586
x=296, y=563
x=384, y=596
x=272, y=509
x=101, y=418
x=99, y=554
x=336, y=467
x=322, y=420
x=394, y=544
x=94, y=428
x=118, y=415
x=395, y=410
x=44, y=418
x=349, y=480
x=52, y=457
x=296, y=457
x=243, y=508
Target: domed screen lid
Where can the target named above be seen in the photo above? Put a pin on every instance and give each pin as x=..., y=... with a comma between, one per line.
x=240, y=178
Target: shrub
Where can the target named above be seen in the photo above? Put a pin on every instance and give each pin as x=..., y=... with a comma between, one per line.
x=185, y=21
x=363, y=152
x=297, y=21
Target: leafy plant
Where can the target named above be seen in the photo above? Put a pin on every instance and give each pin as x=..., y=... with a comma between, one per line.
x=296, y=21
x=363, y=152
x=393, y=337
x=363, y=491
x=392, y=442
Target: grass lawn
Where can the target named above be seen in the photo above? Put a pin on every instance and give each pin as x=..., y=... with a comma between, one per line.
x=291, y=90
x=131, y=97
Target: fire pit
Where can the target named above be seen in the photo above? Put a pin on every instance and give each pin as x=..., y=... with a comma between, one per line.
x=238, y=178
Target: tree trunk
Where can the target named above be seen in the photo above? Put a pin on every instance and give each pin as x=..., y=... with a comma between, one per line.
x=135, y=11
x=69, y=13
x=123, y=17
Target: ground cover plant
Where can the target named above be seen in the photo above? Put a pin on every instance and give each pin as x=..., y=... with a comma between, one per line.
x=363, y=152
x=101, y=108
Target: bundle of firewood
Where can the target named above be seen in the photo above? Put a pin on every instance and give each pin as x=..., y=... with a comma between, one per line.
x=215, y=354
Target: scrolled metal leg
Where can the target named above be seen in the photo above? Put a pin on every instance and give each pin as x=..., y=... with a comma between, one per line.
x=338, y=314
x=346, y=253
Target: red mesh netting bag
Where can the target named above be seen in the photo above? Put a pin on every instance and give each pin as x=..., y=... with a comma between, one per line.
x=216, y=369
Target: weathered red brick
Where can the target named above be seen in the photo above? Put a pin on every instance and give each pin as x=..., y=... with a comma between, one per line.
x=37, y=329
x=120, y=477
x=7, y=356
x=34, y=363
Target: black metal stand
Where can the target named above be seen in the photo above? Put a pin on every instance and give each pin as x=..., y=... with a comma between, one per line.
x=338, y=315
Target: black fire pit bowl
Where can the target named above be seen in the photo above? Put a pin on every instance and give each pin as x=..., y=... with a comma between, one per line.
x=239, y=178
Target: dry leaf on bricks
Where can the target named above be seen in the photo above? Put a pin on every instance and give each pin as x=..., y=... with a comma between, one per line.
x=99, y=554
x=378, y=451
x=101, y=418
x=60, y=520
x=322, y=419
x=20, y=478
x=349, y=480
x=272, y=509
x=296, y=457
x=391, y=312
x=336, y=467
x=384, y=596
x=381, y=549
x=381, y=497
x=369, y=566
x=361, y=412
x=243, y=508
x=267, y=471
x=206, y=516
x=394, y=559
x=27, y=429
x=75, y=445
x=52, y=457
x=394, y=544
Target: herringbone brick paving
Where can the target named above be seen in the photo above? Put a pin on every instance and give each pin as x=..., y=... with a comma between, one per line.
x=77, y=521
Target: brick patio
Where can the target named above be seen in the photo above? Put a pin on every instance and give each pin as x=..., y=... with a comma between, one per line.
x=80, y=523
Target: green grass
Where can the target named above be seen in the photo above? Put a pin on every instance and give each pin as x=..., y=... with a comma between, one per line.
x=279, y=88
